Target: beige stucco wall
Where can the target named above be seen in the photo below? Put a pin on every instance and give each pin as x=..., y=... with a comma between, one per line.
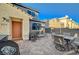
x=53, y=23
x=63, y=22
x=7, y=11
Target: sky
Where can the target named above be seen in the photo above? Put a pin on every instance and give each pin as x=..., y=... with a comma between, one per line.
x=55, y=10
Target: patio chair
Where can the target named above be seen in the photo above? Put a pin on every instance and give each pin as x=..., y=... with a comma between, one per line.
x=59, y=43
x=75, y=50
x=69, y=45
x=33, y=36
x=76, y=45
x=75, y=38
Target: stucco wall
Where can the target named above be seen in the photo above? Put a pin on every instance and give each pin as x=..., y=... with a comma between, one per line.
x=53, y=23
x=7, y=11
x=63, y=23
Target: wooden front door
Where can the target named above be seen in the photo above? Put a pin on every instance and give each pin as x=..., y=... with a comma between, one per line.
x=16, y=30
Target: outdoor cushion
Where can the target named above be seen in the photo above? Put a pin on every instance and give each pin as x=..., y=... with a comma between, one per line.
x=9, y=47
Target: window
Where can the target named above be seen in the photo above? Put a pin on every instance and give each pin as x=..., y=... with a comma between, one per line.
x=35, y=26
x=31, y=13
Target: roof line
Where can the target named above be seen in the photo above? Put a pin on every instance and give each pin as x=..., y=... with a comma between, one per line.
x=25, y=7
x=37, y=21
x=68, y=19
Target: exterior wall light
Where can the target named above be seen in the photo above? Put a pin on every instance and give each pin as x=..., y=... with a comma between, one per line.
x=5, y=19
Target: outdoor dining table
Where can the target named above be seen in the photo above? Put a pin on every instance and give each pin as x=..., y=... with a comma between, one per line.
x=67, y=38
x=64, y=36
x=55, y=34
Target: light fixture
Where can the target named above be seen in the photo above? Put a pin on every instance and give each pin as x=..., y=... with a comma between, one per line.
x=5, y=19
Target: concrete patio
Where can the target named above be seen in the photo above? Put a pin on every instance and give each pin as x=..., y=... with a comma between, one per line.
x=42, y=46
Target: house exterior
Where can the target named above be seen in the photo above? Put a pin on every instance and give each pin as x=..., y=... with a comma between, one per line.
x=63, y=22
x=14, y=21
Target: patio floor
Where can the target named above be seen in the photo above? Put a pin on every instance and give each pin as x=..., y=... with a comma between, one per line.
x=42, y=46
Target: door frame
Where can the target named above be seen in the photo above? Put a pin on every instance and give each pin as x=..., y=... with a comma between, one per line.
x=18, y=20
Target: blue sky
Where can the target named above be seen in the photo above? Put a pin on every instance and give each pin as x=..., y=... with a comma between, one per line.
x=55, y=10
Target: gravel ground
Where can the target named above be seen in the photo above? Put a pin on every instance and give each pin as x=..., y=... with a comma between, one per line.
x=42, y=46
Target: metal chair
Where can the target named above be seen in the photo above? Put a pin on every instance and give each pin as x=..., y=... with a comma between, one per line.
x=75, y=50
x=33, y=36
x=76, y=45
x=59, y=43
